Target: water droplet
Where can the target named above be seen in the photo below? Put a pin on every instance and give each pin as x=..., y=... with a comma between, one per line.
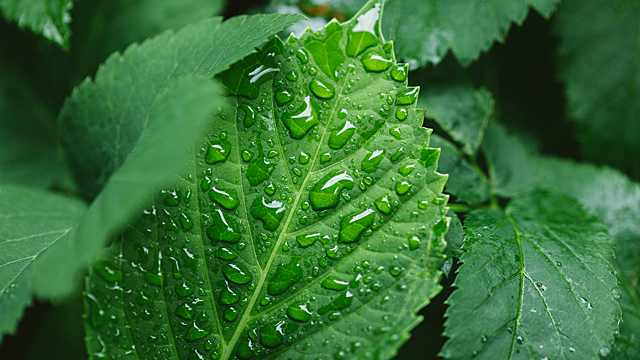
x=383, y=204
x=326, y=192
x=340, y=303
x=96, y=313
x=225, y=253
x=312, y=71
x=326, y=157
x=285, y=277
x=441, y=226
x=376, y=61
x=172, y=198
x=399, y=153
x=246, y=155
x=195, y=332
x=414, y=242
x=332, y=283
x=302, y=56
x=339, y=138
x=407, y=97
x=272, y=335
x=217, y=151
x=299, y=312
x=395, y=132
x=236, y=273
x=230, y=314
x=399, y=72
x=185, y=311
x=303, y=158
x=307, y=240
x=371, y=161
x=403, y=187
x=108, y=272
x=269, y=212
x=270, y=189
x=352, y=226
x=395, y=271
x=292, y=75
x=519, y=339
x=402, y=113
x=321, y=89
x=228, y=296
x=406, y=169
x=228, y=199
x=283, y=96
x=302, y=122
x=249, y=115
x=334, y=253
x=185, y=289
x=224, y=228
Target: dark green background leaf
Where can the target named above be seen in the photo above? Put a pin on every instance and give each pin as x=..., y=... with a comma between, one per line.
x=535, y=282
x=600, y=63
x=49, y=18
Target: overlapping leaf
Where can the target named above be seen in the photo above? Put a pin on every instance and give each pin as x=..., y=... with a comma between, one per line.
x=535, y=283
x=102, y=120
x=310, y=223
x=600, y=62
x=49, y=18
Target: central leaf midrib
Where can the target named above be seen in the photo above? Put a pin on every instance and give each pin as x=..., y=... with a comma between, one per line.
x=265, y=272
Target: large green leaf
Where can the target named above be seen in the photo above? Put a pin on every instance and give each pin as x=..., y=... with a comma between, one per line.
x=535, y=283
x=181, y=115
x=50, y=18
x=614, y=198
x=424, y=31
x=600, y=62
x=102, y=120
x=31, y=221
x=309, y=224
x=605, y=193
x=29, y=154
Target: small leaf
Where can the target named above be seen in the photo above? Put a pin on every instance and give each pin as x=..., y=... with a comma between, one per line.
x=461, y=111
x=102, y=120
x=49, y=18
x=31, y=221
x=311, y=254
x=466, y=183
x=522, y=289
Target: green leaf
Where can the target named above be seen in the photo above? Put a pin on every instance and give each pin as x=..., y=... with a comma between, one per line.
x=102, y=27
x=424, y=31
x=614, y=198
x=251, y=255
x=467, y=182
x=605, y=193
x=181, y=114
x=454, y=239
x=460, y=110
x=535, y=282
x=29, y=154
x=599, y=62
x=102, y=120
x=49, y=18
x=511, y=161
x=31, y=221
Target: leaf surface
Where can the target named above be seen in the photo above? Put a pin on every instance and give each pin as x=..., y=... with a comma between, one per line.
x=607, y=194
x=309, y=224
x=49, y=18
x=102, y=120
x=424, y=31
x=468, y=185
x=29, y=154
x=181, y=115
x=31, y=221
x=462, y=111
x=535, y=282
x=600, y=63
